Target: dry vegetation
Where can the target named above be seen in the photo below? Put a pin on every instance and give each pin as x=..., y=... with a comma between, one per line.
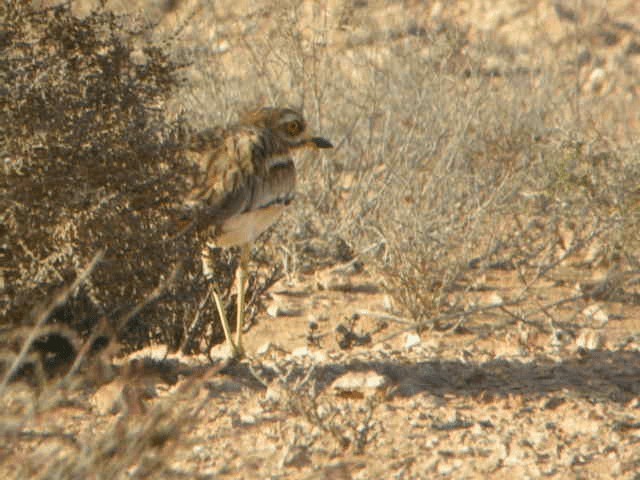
x=483, y=193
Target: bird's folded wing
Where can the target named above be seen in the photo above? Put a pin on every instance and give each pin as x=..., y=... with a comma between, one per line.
x=248, y=193
x=276, y=187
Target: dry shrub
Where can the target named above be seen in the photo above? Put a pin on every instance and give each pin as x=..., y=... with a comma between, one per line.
x=92, y=163
x=492, y=188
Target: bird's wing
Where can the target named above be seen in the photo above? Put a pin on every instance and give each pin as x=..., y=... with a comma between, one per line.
x=264, y=199
x=277, y=186
x=235, y=181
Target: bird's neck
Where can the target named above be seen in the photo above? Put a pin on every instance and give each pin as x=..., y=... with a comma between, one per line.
x=272, y=145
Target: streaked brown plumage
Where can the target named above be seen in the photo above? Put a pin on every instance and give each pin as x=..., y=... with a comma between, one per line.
x=248, y=178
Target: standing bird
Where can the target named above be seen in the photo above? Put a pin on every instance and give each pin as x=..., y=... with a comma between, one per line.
x=248, y=178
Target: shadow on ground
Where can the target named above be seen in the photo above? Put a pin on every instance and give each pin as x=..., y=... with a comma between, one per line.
x=610, y=375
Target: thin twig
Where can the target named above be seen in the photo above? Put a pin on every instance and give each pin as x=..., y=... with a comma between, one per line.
x=386, y=316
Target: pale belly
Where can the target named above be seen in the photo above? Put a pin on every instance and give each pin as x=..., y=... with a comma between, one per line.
x=245, y=228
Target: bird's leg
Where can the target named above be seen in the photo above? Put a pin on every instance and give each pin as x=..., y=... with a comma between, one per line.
x=240, y=279
x=224, y=322
x=207, y=270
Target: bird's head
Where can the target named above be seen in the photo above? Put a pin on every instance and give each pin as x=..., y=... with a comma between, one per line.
x=287, y=124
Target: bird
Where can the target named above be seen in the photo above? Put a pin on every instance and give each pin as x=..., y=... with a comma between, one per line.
x=247, y=178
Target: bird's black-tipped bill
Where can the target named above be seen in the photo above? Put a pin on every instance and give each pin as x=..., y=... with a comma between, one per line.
x=321, y=142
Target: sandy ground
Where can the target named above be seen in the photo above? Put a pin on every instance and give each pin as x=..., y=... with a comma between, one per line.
x=462, y=403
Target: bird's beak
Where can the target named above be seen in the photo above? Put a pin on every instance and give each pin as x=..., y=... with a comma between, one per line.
x=320, y=142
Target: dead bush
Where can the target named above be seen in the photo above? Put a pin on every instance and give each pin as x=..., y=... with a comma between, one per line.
x=91, y=162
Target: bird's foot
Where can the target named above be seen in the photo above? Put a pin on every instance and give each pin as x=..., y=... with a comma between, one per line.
x=236, y=352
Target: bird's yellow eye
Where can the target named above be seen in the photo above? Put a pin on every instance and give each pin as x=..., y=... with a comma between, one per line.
x=294, y=128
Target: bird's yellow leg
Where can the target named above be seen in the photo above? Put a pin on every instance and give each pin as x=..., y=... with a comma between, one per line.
x=208, y=272
x=241, y=275
x=224, y=322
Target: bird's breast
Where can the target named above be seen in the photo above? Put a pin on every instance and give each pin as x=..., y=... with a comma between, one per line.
x=247, y=227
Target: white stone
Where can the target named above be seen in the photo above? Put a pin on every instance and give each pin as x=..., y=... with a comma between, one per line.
x=387, y=303
x=248, y=419
x=362, y=382
x=411, y=340
x=597, y=314
x=596, y=80
x=590, y=339
x=155, y=352
x=108, y=398
x=273, y=394
x=493, y=299
x=263, y=349
x=300, y=352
